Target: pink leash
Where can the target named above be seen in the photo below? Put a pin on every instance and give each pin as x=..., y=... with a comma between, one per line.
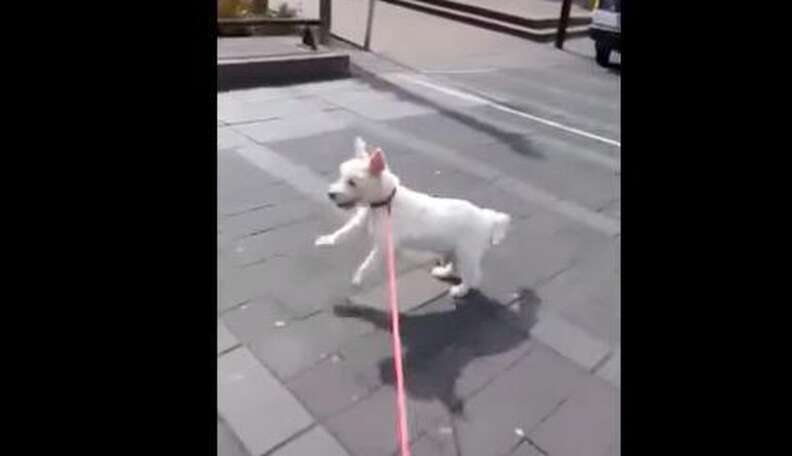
x=401, y=407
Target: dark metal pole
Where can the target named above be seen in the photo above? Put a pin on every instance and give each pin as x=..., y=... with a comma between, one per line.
x=562, y=24
x=369, y=21
x=325, y=16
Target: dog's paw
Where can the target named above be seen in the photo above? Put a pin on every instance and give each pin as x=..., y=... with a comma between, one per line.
x=326, y=240
x=443, y=272
x=459, y=291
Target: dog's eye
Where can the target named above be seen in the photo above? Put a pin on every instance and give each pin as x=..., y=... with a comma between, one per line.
x=351, y=183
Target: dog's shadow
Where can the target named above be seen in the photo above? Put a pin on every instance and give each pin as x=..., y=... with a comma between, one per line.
x=441, y=344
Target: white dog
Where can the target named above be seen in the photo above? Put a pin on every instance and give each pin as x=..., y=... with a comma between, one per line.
x=455, y=229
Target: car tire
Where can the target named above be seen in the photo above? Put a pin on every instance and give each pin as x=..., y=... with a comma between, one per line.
x=603, y=53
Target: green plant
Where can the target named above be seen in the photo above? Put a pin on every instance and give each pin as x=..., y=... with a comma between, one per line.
x=234, y=8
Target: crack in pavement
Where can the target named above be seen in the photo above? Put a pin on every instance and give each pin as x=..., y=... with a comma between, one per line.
x=234, y=307
x=245, y=211
x=230, y=349
x=268, y=229
x=260, y=261
x=601, y=362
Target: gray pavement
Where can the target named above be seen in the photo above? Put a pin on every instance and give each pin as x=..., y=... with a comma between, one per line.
x=530, y=365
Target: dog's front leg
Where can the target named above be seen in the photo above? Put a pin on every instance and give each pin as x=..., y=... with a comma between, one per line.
x=343, y=233
x=374, y=258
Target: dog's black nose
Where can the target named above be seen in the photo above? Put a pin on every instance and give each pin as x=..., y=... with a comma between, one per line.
x=332, y=195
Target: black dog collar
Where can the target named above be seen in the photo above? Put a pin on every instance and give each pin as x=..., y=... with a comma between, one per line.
x=386, y=201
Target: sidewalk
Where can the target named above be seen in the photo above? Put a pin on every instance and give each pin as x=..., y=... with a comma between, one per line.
x=529, y=366
x=394, y=28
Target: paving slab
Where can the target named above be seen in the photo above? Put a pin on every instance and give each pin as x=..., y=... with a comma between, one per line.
x=516, y=402
x=368, y=427
x=570, y=341
x=330, y=274
x=233, y=110
x=240, y=186
x=257, y=317
x=266, y=223
x=588, y=294
x=298, y=345
x=317, y=441
x=247, y=395
x=414, y=288
x=296, y=127
x=587, y=424
x=436, y=442
x=227, y=442
x=262, y=93
x=344, y=377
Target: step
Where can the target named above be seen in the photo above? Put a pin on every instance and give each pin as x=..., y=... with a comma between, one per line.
x=258, y=61
x=535, y=21
x=248, y=72
x=530, y=33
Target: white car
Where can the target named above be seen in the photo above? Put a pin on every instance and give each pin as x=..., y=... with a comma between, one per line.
x=605, y=29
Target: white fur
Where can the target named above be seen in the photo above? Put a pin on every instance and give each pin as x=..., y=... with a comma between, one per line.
x=455, y=229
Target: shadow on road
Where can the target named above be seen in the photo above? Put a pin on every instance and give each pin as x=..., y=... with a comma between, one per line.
x=439, y=345
x=517, y=142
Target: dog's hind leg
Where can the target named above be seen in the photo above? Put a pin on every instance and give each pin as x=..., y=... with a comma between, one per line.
x=469, y=264
x=445, y=267
x=443, y=272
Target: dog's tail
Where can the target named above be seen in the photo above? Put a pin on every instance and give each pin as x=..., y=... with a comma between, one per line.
x=500, y=225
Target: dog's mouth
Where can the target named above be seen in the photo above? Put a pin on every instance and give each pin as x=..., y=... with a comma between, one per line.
x=346, y=205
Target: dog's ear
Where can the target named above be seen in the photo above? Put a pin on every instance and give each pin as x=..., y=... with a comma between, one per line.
x=377, y=162
x=360, y=148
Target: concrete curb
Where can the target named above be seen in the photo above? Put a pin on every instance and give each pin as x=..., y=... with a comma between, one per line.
x=278, y=70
